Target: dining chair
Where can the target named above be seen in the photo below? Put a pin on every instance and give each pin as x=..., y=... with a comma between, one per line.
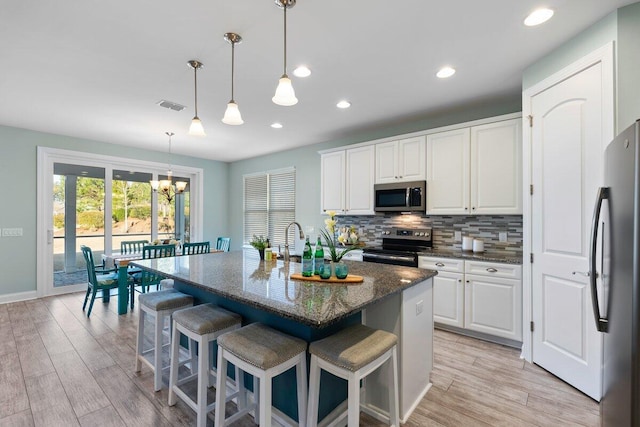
x=223, y=244
x=100, y=279
x=132, y=246
x=196, y=248
x=146, y=278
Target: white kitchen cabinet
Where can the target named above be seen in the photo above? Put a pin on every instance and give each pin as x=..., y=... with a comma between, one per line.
x=475, y=170
x=402, y=160
x=477, y=296
x=347, y=181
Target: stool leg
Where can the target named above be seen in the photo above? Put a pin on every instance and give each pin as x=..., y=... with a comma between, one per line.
x=242, y=393
x=353, y=412
x=301, y=377
x=173, y=370
x=221, y=392
x=157, y=354
x=265, y=401
x=314, y=392
x=394, y=418
x=140, y=339
x=256, y=399
x=203, y=382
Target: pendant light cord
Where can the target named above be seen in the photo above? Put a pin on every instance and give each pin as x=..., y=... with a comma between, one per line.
x=284, y=3
x=233, y=61
x=195, y=87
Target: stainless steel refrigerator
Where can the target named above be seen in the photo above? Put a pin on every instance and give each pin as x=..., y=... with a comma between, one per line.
x=615, y=260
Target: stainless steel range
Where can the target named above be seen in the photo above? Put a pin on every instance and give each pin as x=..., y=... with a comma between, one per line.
x=400, y=246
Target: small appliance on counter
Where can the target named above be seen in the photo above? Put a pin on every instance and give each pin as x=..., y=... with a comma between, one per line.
x=478, y=246
x=467, y=243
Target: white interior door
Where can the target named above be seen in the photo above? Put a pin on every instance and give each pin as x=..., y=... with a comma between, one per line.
x=567, y=146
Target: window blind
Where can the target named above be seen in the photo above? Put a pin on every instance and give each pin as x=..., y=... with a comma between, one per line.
x=269, y=204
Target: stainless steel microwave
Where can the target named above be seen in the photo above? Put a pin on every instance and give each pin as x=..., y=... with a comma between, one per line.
x=408, y=196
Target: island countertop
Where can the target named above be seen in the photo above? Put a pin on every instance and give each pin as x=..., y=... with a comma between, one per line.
x=266, y=285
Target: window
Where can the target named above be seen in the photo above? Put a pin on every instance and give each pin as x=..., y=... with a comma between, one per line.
x=269, y=204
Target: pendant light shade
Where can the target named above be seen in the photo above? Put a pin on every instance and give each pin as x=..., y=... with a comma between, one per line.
x=196, y=128
x=232, y=114
x=285, y=95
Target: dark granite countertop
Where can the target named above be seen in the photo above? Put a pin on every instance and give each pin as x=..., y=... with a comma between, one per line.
x=241, y=276
x=472, y=256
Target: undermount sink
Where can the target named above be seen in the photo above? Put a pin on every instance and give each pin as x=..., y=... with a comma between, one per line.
x=292, y=258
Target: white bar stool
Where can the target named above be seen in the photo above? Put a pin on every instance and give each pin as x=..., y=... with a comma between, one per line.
x=202, y=324
x=352, y=354
x=264, y=353
x=160, y=305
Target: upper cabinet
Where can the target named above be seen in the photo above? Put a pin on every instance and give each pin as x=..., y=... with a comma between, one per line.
x=347, y=181
x=476, y=170
x=402, y=160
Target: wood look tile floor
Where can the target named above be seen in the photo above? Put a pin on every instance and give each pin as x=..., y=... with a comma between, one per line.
x=58, y=368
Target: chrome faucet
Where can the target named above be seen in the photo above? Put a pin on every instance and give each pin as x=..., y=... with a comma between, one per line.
x=286, y=239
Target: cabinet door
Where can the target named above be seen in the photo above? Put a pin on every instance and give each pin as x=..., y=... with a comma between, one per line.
x=448, y=172
x=493, y=306
x=332, y=169
x=448, y=299
x=386, y=162
x=411, y=159
x=359, y=182
x=496, y=168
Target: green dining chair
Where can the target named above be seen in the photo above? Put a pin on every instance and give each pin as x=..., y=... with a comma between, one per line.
x=196, y=248
x=100, y=279
x=223, y=244
x=132, y=246
x=146, y=278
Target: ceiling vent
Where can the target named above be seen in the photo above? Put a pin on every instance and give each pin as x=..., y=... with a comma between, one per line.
x=170, y=105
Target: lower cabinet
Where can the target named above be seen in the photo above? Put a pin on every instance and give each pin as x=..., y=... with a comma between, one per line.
x=479, y=296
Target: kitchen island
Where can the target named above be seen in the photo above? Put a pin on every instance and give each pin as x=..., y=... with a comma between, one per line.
x=393, y=298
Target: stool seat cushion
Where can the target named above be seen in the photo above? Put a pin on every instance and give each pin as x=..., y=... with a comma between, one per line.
x=206, y=318
x=353, y=347
x=165, y=300
x=261, y=346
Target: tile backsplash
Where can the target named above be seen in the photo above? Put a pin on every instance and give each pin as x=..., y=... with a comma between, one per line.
x=484, y=227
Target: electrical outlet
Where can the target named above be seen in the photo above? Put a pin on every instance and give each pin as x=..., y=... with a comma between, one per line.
x=309, y=230
x=457, y=236
x=12, y=232
x=502, y=236
x=419, y=307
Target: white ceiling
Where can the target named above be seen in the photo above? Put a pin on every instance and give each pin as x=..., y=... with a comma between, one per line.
x=96, y=69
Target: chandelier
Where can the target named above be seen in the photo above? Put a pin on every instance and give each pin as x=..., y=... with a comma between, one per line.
x=165, y=187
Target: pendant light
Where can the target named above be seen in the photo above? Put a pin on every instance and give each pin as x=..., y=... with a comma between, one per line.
x=196, y=128
x=285, y=94
x=232, y=114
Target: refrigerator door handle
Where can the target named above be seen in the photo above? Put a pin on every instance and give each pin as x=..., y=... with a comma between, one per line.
x=602, y=323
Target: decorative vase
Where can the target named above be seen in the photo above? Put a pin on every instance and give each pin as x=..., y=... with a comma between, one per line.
x=341, y=269
x=261, y=252
x=326, y=270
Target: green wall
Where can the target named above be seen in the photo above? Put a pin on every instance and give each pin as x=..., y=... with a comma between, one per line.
x=306, y=160
x=628, y=65
x=18, y=162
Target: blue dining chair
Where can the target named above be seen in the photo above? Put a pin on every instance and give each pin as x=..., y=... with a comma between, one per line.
x=196, y=248
x=223, y=244
x=100, y=279
x=146, y=278
x=132, y=246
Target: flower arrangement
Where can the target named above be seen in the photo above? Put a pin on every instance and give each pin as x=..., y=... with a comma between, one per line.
x=258, y=242
x=165, y=242
x=346, y=237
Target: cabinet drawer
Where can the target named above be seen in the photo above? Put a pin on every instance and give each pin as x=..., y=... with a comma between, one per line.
x=441, y=264
x=494, y=269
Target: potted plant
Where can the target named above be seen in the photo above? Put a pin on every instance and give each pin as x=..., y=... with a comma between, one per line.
x=345, y=237
x=260, y=243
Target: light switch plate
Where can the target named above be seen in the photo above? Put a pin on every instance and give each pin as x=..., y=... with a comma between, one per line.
x=502, y=236
x=457, y=236
x=12, y=232
x=419, y=307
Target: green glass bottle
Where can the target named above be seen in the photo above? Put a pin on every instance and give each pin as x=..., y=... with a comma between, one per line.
x=307, y=259
x=318, y=258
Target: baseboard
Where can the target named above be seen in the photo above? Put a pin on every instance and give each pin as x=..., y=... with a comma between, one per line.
x=480, y=336
x=19, y=296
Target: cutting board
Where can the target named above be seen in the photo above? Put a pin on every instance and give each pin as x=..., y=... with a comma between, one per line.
x=351, y=278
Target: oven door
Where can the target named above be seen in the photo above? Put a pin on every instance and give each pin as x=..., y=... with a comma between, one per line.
x=408, y=260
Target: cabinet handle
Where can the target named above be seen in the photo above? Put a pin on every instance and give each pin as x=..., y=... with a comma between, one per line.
x=467, y=281
x=466, y=208
x=473, y=208
x=492, y=270
x=439, y=264
x=459, y=280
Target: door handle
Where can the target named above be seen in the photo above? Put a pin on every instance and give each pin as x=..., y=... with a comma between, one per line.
x=602, y=323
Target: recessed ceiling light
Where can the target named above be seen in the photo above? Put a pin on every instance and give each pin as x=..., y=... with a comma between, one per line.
x=445, y=72
x=276, y=125
x=343, y=104
x=538, y=17
x=302, y=71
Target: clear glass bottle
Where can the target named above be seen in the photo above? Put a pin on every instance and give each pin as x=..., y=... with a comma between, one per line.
x=318, y=258
x=307, y=259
